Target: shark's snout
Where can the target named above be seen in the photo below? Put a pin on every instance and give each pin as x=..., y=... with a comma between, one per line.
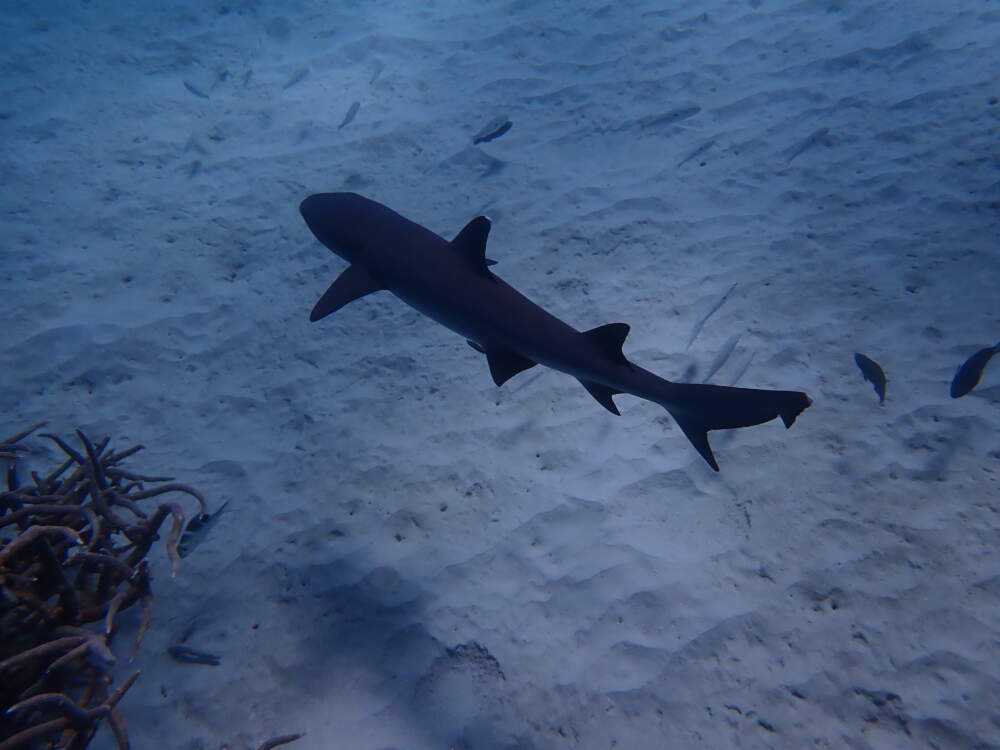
x=330, y=217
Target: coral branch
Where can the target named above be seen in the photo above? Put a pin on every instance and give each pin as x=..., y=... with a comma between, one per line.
x=25, y=538
x=63, y=565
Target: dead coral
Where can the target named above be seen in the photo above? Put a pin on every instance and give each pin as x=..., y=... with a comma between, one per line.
x=72, y=552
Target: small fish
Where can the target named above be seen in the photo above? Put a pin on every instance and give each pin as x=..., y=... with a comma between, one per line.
x=195, y=90
x=349, y=117
x=193, y=624
x=494, y=130
x=197, y=529
x=807, y=143
x=873, y=373
x=697, y=152
x=698, y=326
x=187, y=655
x=298, y=77
x=743, y=369
x=722, y=357
x=971, y=370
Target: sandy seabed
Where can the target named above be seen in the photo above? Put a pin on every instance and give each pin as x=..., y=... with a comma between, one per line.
x=414, y=558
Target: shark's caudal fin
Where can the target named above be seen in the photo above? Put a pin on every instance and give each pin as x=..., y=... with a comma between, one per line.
x=699, y=408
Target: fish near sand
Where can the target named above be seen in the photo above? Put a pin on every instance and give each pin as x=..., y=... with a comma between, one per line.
x=493, y=130
x=873, y=373
x=971, y=371
x=197, y=529
x=349, y=117
x=451, y=283
x=187, y=655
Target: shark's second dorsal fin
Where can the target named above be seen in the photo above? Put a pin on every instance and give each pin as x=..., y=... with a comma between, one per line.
x=353, y=283
x=505, y=364
x=610, y=339
x=471, y=245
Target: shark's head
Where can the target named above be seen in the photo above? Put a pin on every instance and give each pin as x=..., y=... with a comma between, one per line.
x=338, y=221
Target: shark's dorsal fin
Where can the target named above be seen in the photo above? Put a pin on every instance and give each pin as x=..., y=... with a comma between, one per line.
x=603, y=395
x=471, y=245
x=610, y=339
x=505, y=364
x=353, y=283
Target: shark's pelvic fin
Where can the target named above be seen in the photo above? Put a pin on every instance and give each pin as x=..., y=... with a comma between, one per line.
x=610, y=338
x=603, y=395
x=353, y=283
x=505, y=364
x=471, y=245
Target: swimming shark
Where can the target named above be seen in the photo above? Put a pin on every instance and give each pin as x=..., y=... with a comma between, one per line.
x=451, y=283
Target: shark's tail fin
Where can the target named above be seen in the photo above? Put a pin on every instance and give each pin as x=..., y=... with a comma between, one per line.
x=699, y=408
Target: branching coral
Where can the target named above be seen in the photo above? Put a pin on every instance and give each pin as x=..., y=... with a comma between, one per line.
x=73, y=545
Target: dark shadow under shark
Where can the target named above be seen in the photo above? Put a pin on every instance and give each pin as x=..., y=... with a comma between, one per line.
x=451, y=283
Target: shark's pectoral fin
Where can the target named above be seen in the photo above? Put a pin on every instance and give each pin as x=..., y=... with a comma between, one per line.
x=505, y=364
x=603, y=395
x=471, y=245
x=353, y=283
x=610, y=338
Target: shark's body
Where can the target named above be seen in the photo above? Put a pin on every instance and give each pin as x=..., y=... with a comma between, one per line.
x=450, y=282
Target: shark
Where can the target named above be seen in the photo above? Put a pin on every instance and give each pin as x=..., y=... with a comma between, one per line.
x=452, y=283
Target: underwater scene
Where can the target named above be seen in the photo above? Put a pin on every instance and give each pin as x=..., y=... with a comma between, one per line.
x=384, y=375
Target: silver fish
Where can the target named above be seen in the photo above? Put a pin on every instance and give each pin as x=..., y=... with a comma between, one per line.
x=698, y=326
x=697, y=152
x=807, y=143
x=493, y=130
x=297, y=77
x=187, y=655
x=349, y=117
x=197, y=529
x=743, y=369
x=722, y=357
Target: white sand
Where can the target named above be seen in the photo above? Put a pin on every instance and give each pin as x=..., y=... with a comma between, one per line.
x=414, y=558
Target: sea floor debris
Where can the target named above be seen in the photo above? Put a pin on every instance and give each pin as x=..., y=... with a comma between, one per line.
x=73, y=546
